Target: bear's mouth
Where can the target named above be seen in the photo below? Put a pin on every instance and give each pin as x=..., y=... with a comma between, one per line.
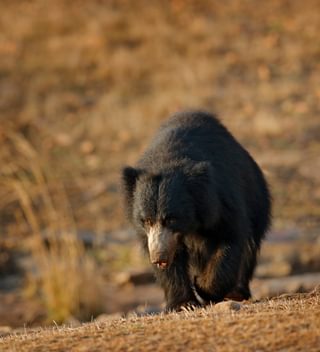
x=162, y=265
x=162, y=243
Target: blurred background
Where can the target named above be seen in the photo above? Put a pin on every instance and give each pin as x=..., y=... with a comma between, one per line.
x=83, y=87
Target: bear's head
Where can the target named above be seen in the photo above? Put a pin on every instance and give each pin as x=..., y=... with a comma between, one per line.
x=165, y=207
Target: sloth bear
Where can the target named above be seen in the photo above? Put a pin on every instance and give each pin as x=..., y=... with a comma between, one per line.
x=200, y=206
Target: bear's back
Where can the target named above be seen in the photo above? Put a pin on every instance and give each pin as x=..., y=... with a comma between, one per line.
x=192, y=135
x=192, y=124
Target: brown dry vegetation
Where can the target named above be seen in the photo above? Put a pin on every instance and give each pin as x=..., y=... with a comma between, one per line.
x=87, y=83
x=83, y=85
x=286, y=323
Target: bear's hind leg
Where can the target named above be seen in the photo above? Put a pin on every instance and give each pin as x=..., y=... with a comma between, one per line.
x=249, y=261
x=221, y=273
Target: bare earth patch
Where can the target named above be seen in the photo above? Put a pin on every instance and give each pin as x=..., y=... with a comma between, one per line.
x=286, y=323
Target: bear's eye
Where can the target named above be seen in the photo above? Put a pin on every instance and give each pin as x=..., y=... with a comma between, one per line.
x=146, y=221
x=169, y=220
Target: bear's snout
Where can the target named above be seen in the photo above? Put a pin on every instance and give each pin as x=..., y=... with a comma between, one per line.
x=162, y=245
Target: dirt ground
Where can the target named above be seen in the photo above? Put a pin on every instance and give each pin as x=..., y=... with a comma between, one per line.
x=286, y=323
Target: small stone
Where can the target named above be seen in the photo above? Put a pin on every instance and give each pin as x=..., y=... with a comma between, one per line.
x=72, y=322
x=102, y=318
x=147, y=310
x=227, y=306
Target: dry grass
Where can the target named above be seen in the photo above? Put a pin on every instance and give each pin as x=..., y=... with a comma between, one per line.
x=286, y=323
x=63, y=270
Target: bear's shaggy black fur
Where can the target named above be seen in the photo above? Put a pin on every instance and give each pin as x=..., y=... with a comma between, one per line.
x=201, y=206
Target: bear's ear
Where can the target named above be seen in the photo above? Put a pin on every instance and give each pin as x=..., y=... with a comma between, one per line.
x=200, y=172
x=129, y=179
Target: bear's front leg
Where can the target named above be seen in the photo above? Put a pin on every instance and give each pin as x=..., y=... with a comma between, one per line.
x=177, y=285
x=177, y=300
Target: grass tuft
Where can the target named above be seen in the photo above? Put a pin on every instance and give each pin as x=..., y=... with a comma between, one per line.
x=65, y=276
